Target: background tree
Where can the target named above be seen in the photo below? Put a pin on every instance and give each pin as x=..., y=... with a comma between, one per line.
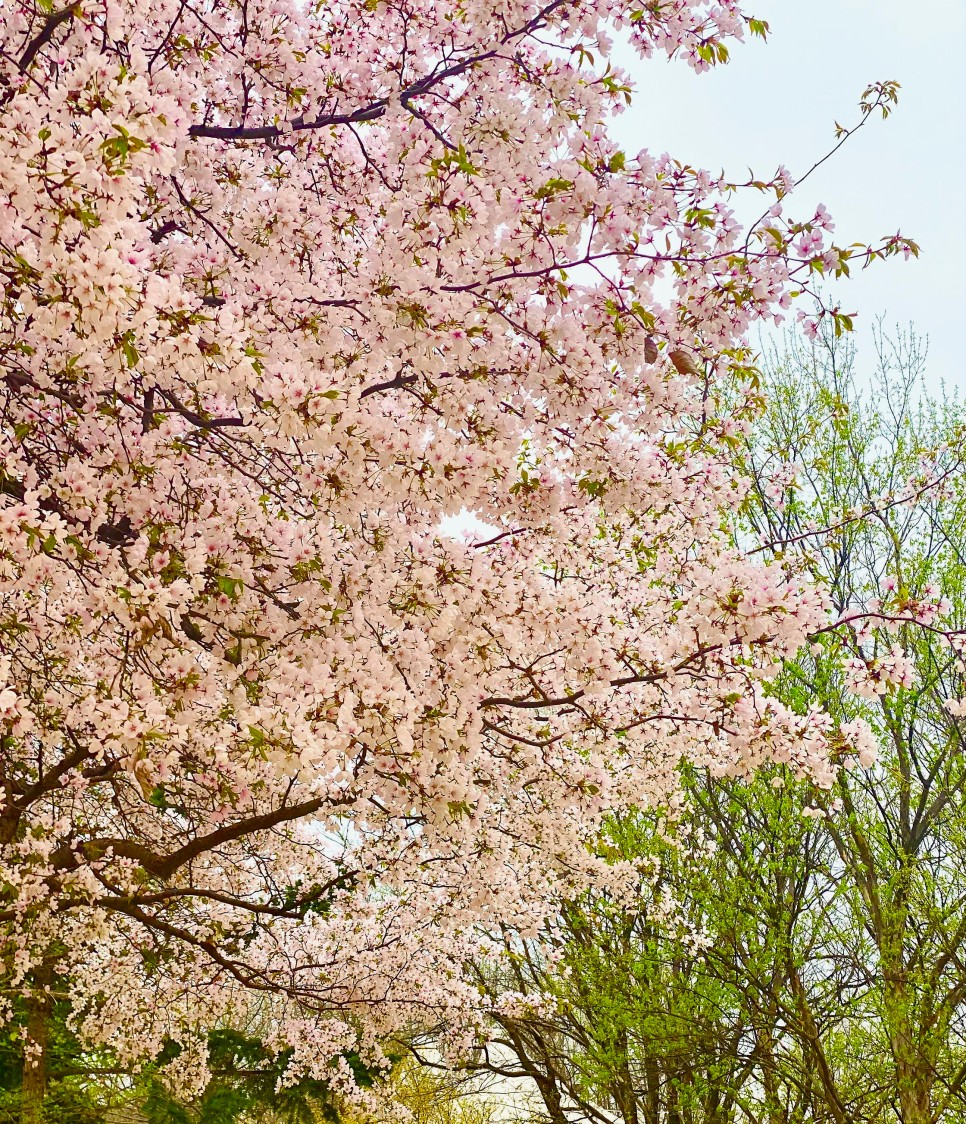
x=433, y=1096
x=900, y=830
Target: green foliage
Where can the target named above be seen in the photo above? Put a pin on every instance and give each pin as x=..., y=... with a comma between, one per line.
x=248, y=1086
x=65, y=1102
x=71, y=1096
x=249, y=1083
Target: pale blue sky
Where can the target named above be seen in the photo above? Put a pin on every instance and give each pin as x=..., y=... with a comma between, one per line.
x=776, y=103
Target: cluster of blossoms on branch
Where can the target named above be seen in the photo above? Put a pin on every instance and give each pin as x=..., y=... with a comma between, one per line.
x=286, y=286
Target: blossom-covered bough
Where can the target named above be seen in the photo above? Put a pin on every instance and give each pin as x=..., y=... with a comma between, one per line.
x=286, y=286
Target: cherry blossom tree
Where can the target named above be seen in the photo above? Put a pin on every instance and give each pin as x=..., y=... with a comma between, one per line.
x=287, y=286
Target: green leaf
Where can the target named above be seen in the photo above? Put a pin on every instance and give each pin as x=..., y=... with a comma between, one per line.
x=552, y=187
x=230, y=587
x=130, y=351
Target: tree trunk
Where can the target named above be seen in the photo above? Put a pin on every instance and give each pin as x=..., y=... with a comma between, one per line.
x=553, y=1102
x=776, y=1112
x=623, y=1087
x=652, y=1090
x=811, y=1041
x=673, y=1104
x=915, y=1029
x=914, y=1078
x=33, y=1088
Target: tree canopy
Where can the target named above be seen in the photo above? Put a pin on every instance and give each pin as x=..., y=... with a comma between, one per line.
x=286, y=286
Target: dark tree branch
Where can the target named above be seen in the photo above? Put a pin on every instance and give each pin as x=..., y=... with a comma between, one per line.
x=392, y=384
x=273, y=132
x=164, y=866
x=376, y=109
x=51, y=23
x=199, y=419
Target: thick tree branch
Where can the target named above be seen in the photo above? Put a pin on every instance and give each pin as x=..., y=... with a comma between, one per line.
x=164, y=866
x=51, y=23
x=376, y=109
